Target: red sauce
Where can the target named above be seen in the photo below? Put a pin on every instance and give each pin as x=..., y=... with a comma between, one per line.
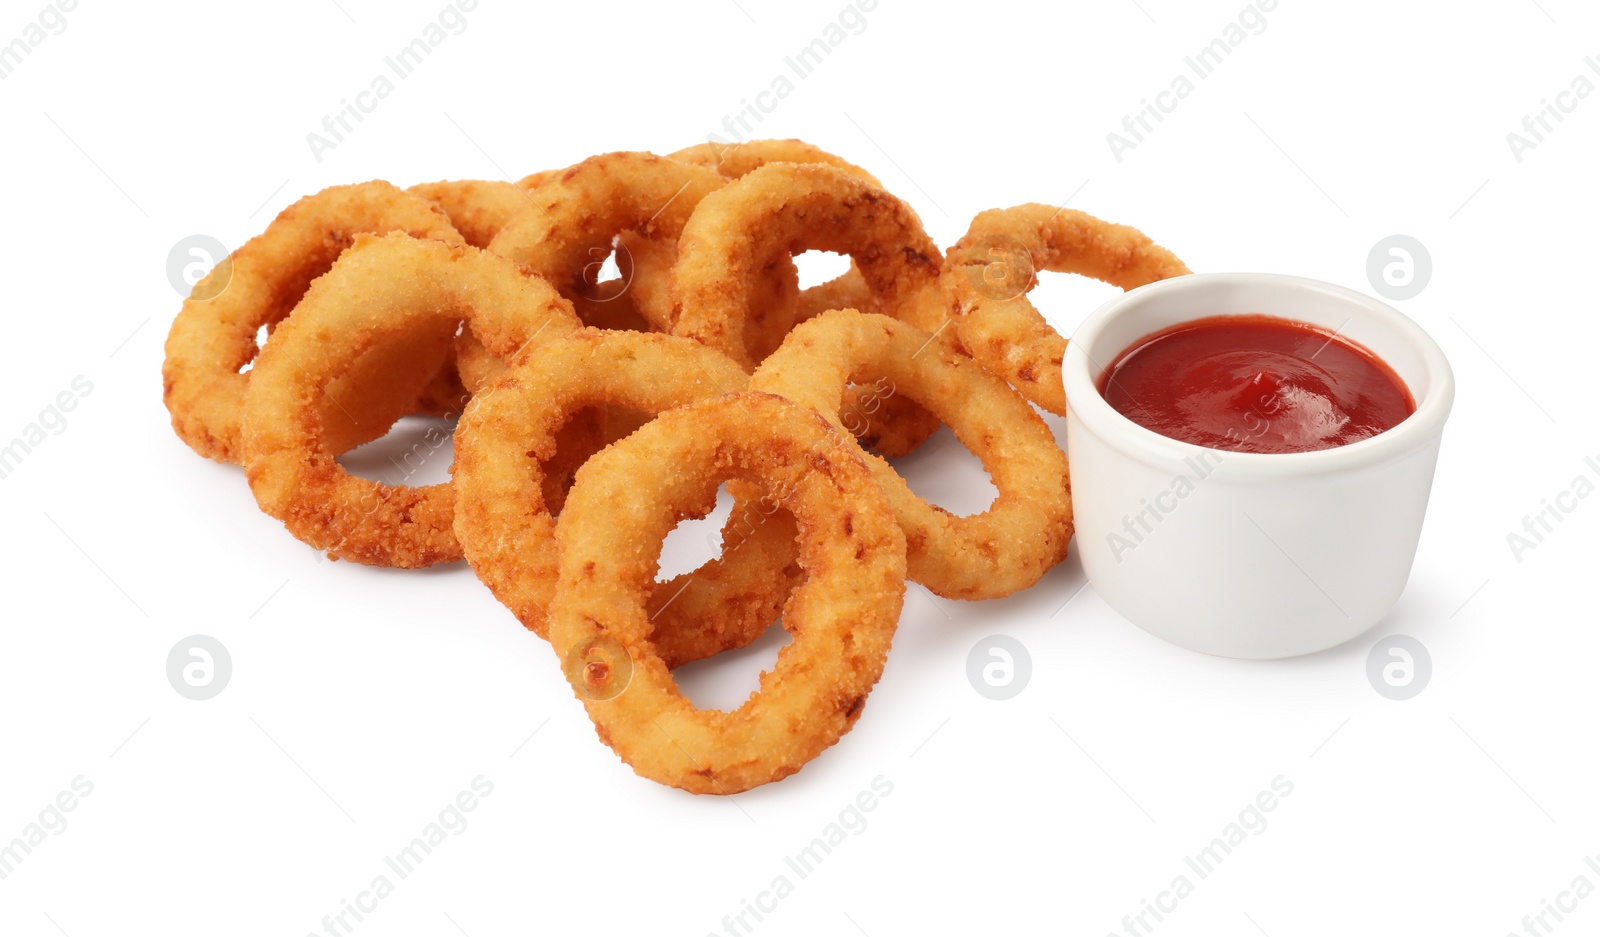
x=1256, y=383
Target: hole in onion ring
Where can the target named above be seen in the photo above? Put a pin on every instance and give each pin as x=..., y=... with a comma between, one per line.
x=261, y=339
x=416, y=451
x=695, y=540
x=727, y=680
x=945, y=473
x=607, y=270
x=819, y=267
x=1065, y=300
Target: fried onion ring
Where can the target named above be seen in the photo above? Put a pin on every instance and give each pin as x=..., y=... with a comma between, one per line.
x=213, y=339
x=574, y=216
x=990, y=271
x=478, y=208
x=734, y=160
x=897, y=426
x=604, y=306
x=784, y=209
x=1024, y=532
x=842, y=618
x=506, y=527
x=848, y=290
x=383, y=292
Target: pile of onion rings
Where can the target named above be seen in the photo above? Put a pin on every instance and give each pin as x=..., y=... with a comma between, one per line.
x=593, y=414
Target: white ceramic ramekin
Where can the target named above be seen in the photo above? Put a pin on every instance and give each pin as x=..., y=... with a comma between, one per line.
x=1250, y=555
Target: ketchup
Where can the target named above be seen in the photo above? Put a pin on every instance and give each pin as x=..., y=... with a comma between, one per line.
x=1255, y=383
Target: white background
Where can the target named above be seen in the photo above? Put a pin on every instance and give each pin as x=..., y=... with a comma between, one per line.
x=363, y=700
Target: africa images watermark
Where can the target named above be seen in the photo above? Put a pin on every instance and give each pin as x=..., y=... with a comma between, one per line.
x=1139, y=525
x=51, y=21
x=851, y=821
x=1553, y=511
x=1536, y=127
x=451, y=821
x=451, y=21
x=1152, y=511
x=851, y=21
x=1539, y=924
x=1136, y=127
x=52, y=421
x=1251, y=822
x=52, y=821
